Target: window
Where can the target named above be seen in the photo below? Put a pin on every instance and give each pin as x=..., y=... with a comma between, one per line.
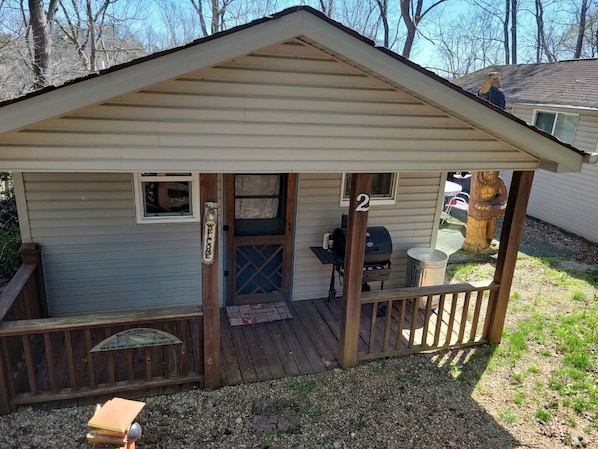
x=558, y=124
x=384, y=188
x=166, y=197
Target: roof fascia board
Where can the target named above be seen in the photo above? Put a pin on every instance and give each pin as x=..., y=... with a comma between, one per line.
x=128, y=79
x=561, y=159
x=550, y=105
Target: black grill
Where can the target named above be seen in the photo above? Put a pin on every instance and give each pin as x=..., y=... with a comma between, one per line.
x=378, y=250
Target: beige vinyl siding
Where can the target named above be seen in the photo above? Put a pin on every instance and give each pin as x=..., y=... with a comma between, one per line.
x=410, y=222
x=567, y=200
x=96, y=258
x=289, y=107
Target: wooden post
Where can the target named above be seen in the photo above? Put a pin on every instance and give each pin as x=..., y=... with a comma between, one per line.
x=210, y=275
x=510, y=239
x=31, y=253
x=5, y=396
x=361, y=185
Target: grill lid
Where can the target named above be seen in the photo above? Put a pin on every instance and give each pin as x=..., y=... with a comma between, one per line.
x=378, y=244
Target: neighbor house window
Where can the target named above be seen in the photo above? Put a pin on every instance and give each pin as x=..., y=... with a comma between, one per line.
x=166, y=197
x=558, y=124
x=384, y=188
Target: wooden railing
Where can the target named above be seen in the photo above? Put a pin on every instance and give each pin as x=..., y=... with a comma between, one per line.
x=52, y=359
x=420, y=319
x=24, y=296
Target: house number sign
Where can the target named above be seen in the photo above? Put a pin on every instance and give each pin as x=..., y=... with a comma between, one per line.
x=363, y=202
x=209, y=232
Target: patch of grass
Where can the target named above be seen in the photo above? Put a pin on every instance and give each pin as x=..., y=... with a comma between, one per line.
x=519, y=398
x=579, y=296
x=302, y=388
x=543, y=415
x=507, y=416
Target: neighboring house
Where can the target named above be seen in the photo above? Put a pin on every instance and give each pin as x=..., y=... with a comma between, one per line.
x=560, y=98
x=115, y=175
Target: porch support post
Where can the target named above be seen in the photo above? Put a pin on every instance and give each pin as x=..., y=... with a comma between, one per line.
x=510, y=238
x=210, y=275
x=31, y=253
x=361, y=184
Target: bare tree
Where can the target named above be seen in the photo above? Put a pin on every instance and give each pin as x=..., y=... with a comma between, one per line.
x=41, y=23
x=412, y=13
x=582, y=28
x=542, y=47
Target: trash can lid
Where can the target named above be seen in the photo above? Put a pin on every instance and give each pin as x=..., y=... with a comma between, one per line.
x=427, y=254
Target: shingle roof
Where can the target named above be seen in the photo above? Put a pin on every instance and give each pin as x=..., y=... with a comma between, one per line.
x=567, y=83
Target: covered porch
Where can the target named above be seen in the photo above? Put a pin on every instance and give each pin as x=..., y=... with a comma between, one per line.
x=52, y=359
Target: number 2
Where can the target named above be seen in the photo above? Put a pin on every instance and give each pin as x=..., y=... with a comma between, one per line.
x=363, y=205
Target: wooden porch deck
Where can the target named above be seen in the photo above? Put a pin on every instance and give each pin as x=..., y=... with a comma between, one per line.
x=309, y=343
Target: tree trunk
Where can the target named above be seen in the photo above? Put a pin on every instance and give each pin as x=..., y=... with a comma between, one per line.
x=506, y=31
x=513, y=31
x=410, y=25
x=582, y=28
x=41, y=29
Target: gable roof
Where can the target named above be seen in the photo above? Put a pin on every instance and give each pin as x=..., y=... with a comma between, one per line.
x=319, y=32
x=564, y=83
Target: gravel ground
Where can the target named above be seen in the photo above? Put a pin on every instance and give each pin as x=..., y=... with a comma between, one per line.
x=408, y=402
x=419, y=401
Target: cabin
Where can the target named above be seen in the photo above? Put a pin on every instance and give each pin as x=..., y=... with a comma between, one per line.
x=154, y=195
x=559, y=98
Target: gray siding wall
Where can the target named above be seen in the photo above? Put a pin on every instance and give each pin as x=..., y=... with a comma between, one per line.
x=411, y=222
x=96, y=258
x=567, y=200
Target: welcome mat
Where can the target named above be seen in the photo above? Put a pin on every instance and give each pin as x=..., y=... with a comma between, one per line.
x=257, y=313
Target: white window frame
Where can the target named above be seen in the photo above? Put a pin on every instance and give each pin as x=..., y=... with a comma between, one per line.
x=374, y=200
x=194, y=200
x=556, y=116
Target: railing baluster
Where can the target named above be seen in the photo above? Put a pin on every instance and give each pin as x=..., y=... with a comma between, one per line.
x=70, y=360
x=400, y=324
x=89, y=355
x=439, y=313
x=110, y=357
x=464, y=314
x=29, y=366
x=387, y=326
x=372, y=329
x=449, y=332
x=129, y=362
x=148, y=364
x=428, y=313
x=50, y=362
x=6, y=378
x=414, y=317
x=476, y=315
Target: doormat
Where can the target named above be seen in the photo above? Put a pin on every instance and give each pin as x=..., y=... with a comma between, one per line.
x=258, y=313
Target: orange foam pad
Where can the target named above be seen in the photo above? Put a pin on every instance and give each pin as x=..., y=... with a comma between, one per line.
x=117, y=415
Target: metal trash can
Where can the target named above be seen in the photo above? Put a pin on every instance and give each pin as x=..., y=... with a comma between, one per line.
x=426, y=266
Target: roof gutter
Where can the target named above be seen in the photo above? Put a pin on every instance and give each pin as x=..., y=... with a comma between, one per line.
x=590, y=158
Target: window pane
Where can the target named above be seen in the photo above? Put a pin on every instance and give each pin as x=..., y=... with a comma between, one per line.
x=166, y=198
x=382, y=185
x=256, y=208
x=257, y=185
x=545, y=121
x=566, y=125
